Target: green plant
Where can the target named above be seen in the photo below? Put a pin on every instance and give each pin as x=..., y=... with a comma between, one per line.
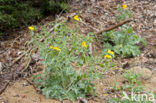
x=133, y=82
x=124, y=42
x=59, y=52
x=117, y=100
x=108, y=56
x=131, y=77
x=52, y=7
x=123, y=13
x=132, y=91
x=14, y=14
x=117, y=86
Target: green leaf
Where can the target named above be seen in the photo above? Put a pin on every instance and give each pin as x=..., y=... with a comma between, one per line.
x=130, y=30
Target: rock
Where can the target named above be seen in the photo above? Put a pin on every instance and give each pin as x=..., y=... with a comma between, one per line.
x=153, y=53
x=144, y=72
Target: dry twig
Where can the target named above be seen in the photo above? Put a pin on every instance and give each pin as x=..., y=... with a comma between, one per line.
x=17, y=59
x=3, y=89
x=115, y=26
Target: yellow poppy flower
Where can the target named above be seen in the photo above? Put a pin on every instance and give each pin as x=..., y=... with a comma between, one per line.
x=124, y=6
x=110, y=52
x=31, y=28
x=108, y=56
x=55, y=48
x=76, y=17
x=51, y=47
x=84, y=44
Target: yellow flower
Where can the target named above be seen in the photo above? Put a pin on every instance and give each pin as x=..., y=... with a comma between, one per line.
x=31, y=28
x=110, y=52
x=108, y=56
x=124, y=6
x=84, y=44
x=55, y=48
x=51, y=47
x=76, y=17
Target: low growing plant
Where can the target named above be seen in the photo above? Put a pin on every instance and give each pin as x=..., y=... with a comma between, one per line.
x=123, y=13
x=117, y=100
x=134, y=84
x=129, y=89
x=108, y=56
x=125, y=41
x=59, y=52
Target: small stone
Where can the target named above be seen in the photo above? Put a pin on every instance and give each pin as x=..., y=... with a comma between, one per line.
x=1, y=67
x=25, y=84
x=144, y=72
x=36, y=57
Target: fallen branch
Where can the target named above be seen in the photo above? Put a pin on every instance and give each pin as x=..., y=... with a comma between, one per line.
x=29, y=82
x=115, y=26
x=28, y=62
x=17, y=59
x=3, y=89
